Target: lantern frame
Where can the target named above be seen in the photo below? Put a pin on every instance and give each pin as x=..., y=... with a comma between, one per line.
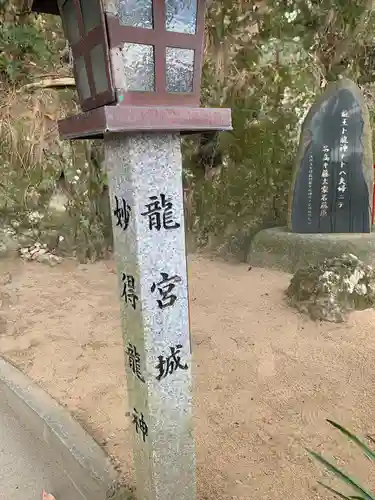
x=82, y=49
x=45, y=7
x=111, y=34
x=160, y=39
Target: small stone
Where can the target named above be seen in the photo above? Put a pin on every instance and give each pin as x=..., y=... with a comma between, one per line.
x=25, y=254
x=48, y=258
x=5, y=279
x=42, y=251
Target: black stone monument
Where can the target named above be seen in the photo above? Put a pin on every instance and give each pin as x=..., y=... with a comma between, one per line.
x=333, y=179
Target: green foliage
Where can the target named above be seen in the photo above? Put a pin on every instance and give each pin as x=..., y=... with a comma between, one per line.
x=32, y=157
x=19, y=44
x=264, y=59
x=360, y=492
x=27, y=42
x=32, y=160
x=267, y=61
x=87, y=208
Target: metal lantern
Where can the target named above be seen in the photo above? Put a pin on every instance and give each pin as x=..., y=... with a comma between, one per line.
x=85, y=29
x=136, y=54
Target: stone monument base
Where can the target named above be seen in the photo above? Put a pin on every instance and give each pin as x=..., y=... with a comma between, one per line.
x=279, y=248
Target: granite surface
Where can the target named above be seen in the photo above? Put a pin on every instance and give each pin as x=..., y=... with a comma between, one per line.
x=145, y=182
x=279, y=248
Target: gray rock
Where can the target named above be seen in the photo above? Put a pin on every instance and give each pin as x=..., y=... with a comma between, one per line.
x=334, y=165
x=331, y=290
x=39, y=252
x=48, y=258
x=8, y=243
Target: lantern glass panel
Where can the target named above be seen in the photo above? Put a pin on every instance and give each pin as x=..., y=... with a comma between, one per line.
x=139, y=65
x=70, y=22
x=136, y=13
x=181, y=16
x=91, y=14
x=179, y=69
x=98, y=64
x=82, y=80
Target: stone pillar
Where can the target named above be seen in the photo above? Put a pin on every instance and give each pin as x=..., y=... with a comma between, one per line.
x=145, y=183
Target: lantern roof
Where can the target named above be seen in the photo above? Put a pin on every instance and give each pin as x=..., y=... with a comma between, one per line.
x=45, y=7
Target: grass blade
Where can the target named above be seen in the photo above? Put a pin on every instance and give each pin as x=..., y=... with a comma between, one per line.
x=369, y=453
x=341, y=475
x=335, y=492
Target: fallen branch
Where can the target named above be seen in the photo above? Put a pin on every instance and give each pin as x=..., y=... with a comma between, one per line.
x=51, y=83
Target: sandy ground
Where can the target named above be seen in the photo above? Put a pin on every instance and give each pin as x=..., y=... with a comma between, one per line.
x=266, y=378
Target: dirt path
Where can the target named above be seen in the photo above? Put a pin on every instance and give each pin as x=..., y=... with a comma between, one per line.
x=266, y=378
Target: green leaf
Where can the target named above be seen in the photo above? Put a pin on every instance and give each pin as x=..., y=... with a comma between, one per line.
x=335, y=492
x=369, y=453
x=342, y=475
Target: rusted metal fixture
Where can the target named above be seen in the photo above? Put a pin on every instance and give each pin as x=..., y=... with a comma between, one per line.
x=136, y=53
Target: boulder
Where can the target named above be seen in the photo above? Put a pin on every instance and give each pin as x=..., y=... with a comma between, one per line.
x=332, y=183
x=330, y=290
